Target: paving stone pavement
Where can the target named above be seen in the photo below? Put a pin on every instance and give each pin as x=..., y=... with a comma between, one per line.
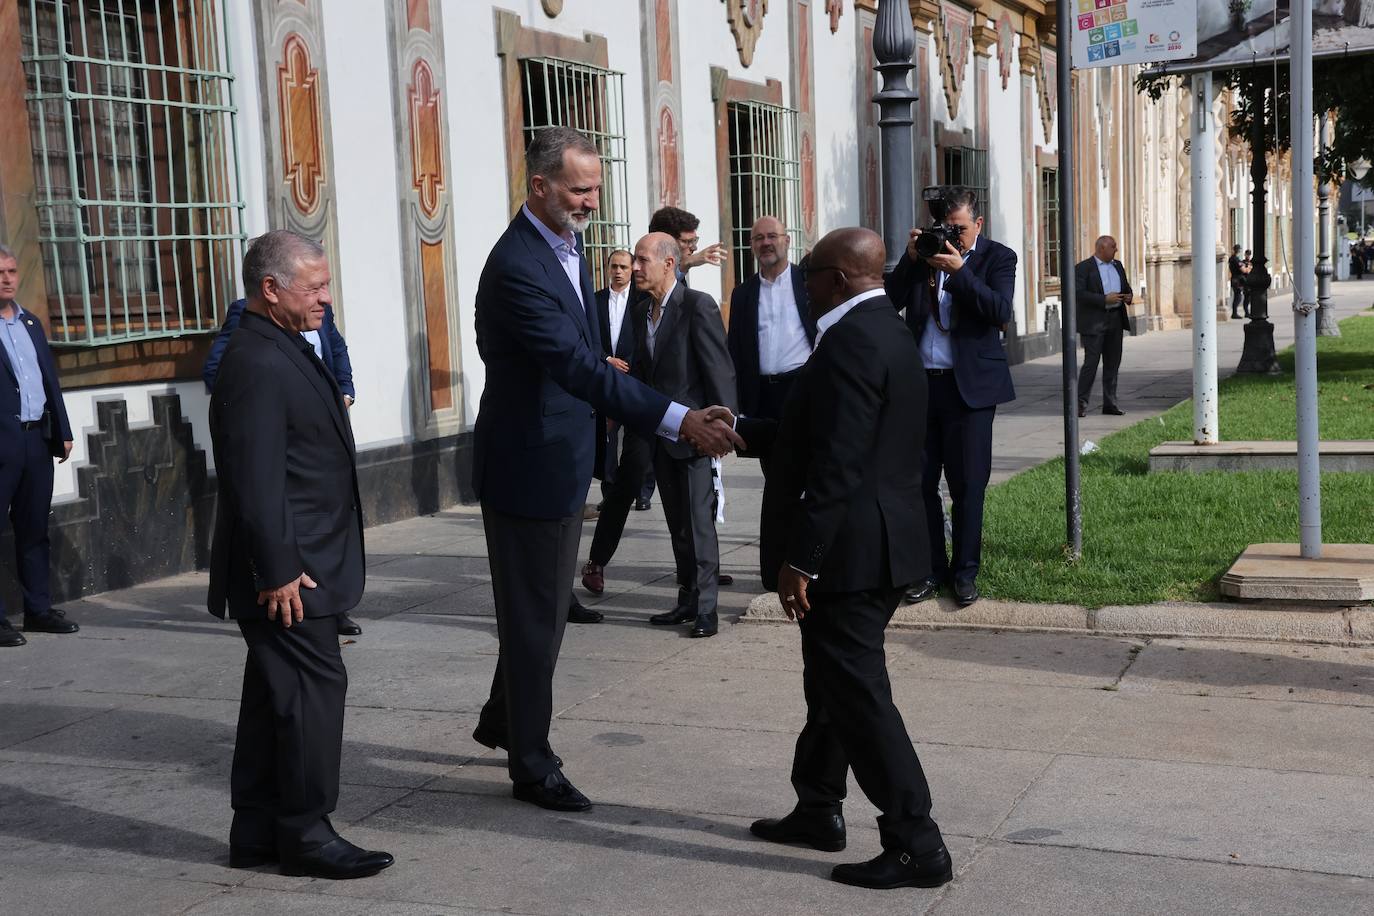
x=1071, y=774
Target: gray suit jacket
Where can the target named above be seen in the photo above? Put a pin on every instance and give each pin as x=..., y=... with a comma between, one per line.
x=690, y=363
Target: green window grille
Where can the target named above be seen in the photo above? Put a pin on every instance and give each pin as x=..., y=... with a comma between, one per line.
x=1049, y=224
x=562, y=93
x=968, y=166
x=765, y=177
x=132, y=120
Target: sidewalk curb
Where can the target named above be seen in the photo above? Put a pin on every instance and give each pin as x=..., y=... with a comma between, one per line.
x=1342, y=626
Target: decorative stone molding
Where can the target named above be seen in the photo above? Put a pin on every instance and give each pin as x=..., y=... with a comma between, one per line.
x=297, y=139
x=746, y=23
x=1048, y=90
x=834, y=9
x=428, y=249
x=953, y=36
x=552, y=7
x=663, y=103
x=1006, y=47
x=803, y=99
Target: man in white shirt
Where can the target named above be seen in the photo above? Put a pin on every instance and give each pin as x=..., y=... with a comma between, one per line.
x=771, y=328
x=1103, y=295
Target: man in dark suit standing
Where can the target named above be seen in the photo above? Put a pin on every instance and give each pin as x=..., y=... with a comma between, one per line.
x=771, y=329
x=681, y=352
x=843, y=535
x=332, y=350
x=1103, y=294
x=534, y=444
x=623, y=471
x=957, y=304
x=33, y=431
x=286, y=559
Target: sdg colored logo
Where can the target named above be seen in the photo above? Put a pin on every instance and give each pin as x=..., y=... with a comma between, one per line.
x=1174, y=36
x=1112, y=32
x=1113, y=48
x=1095, y=53
x=1086, y=6
x=1085, y=22
x=1118, y=14
x=1096, y=36
x=1103, y=4
x=1129, y=28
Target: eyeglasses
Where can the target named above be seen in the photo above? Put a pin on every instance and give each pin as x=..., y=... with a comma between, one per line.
x=809, y=269
x=689, y=242
x=770, y=237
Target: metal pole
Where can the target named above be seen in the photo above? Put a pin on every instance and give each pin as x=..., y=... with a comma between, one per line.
x=1073, y=508
x=1326, y=321
x=893, y=42
x=1304, y=290
x=1204, y=184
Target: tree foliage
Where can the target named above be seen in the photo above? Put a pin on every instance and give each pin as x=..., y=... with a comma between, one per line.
x=1344, y=86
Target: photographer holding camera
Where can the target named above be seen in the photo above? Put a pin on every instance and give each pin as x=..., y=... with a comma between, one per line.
x=957, y=289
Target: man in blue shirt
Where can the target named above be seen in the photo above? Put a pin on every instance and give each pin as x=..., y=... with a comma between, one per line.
x=1103, y=295
x=33, y=431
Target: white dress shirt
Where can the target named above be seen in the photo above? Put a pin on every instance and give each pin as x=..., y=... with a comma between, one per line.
x=937, y=351
x=832, y=317
x=662, y=311
x=615, y=309
x=782, y=336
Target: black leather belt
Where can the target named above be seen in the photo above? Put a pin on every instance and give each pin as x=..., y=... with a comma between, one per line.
x=939, y=372
x=779, y=379
x=30, y=424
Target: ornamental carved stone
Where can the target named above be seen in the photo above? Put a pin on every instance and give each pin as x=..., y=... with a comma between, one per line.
x=746, y=23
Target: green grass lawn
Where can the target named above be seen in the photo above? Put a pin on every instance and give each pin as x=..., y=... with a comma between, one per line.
x=1161, y=537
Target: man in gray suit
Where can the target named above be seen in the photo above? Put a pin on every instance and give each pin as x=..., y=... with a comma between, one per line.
x=680, y=351
x=1103, y=294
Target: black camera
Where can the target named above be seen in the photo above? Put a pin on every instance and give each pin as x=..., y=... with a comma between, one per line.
x=933, y=238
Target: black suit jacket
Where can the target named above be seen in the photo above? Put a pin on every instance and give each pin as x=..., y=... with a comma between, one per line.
x=744, y=334
x=980, y=306
x=288, y=485
x=843, y=497
x=625, y=346
x=534, y=443
x=690, y=363
x=58, y=431
x=1093, y=314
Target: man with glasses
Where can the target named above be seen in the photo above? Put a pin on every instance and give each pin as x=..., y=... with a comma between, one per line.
x=682, y=226
x=771, y=329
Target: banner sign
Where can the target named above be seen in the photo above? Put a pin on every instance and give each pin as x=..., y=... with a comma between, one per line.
x=1111, y=33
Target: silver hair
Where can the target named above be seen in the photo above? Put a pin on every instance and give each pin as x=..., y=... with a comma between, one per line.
x=6, y=253
x=277, y=254
x=667, y=247
x=545, y=153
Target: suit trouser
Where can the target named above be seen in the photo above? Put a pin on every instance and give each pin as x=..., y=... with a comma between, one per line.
x=851, y=720
x=532, y=563
x=1107, y=348
x=635, y=460
x=959, y=444
x=1239, y=300
x=773, y=392
x=285, y=778
x=689, y=504
x=26, y=491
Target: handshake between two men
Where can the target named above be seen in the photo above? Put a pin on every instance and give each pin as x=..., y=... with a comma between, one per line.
x=711, y=430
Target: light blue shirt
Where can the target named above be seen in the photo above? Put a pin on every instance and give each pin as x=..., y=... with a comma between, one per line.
x=14, y=336
x=314, y=338
x=1111, y=280
x=937, y=350
x=565, y=249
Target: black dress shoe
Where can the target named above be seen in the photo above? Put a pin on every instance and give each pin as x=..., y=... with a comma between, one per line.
x=579, y=614
x=922, y=591
x=725, y=579
x=553, y=792
x=965, y=593
x=823, y=830
x=704, y=626
x=54, y=621
x=243, y=855
x=487, y=738
x=1082, y=412
x=1114, y=411
x=642, y=505
x=679, y=614
x=9, y=636
x=338, y=859
x=894, y=868
x=347, y=627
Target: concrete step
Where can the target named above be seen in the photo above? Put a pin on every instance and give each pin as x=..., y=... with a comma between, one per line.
x=1336, y=455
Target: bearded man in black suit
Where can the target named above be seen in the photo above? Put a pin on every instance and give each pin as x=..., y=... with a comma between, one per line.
x=843, y=535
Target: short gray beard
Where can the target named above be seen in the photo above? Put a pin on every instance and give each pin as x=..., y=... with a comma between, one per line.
x=566, y=221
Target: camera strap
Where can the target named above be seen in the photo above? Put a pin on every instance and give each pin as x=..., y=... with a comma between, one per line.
x=934, y=301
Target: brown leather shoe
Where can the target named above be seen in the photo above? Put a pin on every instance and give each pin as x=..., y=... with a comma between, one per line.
x=593, y=578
